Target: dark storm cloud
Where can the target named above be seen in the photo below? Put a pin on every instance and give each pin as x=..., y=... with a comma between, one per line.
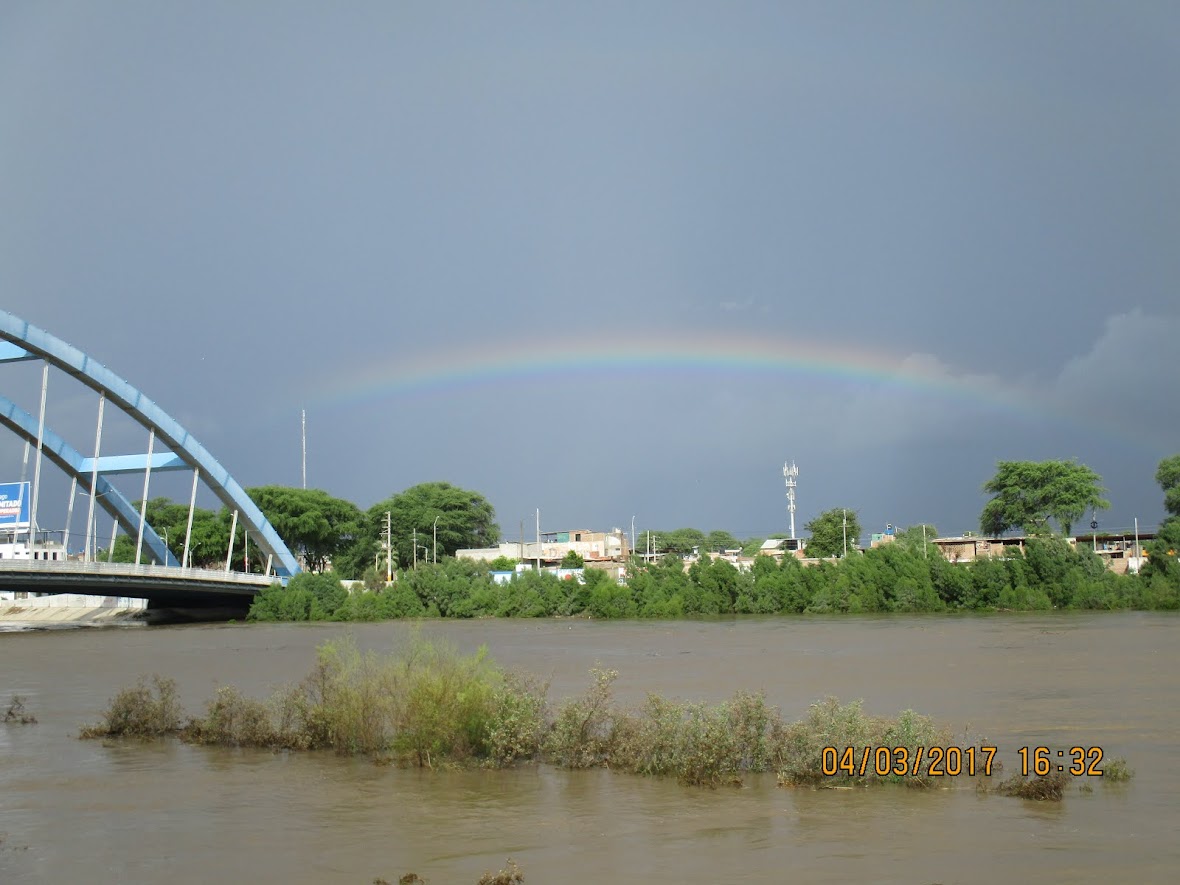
x=225, y=203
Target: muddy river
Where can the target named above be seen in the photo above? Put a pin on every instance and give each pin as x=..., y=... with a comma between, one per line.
x=79, y=811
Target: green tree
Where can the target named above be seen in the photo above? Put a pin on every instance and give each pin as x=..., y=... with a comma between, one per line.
x=310, y=521
x=572, y=559
x=306, y=597
x=207, y=543
x=465, y=519
x=1161, y=553
x=1168, y=476
x=682, y=541
x=719, y=540
x=1030, y=493
x=917, y=538
x=650, y=540
x=832, y=532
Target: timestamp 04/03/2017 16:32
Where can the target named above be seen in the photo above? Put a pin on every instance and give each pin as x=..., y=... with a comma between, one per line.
x=952, y=761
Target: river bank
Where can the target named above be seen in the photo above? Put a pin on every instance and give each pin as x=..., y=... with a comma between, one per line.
x=70, y=610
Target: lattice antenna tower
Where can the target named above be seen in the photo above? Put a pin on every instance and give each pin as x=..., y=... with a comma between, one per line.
x=790, y=474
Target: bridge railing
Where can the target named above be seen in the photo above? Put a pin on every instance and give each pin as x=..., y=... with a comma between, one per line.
x=131, y=570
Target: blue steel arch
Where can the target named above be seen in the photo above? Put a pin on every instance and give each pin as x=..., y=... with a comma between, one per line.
x=41, y=344
x=74, y=464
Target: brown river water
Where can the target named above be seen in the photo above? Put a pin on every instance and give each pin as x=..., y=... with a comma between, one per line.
x=76, y=811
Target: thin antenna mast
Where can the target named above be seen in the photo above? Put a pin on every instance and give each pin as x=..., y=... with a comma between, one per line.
x=790, y=473
x=303, y=421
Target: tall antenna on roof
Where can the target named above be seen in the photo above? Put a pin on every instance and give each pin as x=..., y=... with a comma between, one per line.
x=790, y=472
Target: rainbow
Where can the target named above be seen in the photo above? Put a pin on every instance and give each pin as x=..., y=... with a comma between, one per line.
x=553, y=357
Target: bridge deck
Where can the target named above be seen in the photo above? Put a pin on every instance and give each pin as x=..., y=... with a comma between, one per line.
x=160, y=585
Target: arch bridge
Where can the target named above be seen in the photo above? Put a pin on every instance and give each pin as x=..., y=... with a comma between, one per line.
x=156, y=574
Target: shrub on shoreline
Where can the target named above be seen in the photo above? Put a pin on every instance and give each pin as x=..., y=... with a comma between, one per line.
x=1051, y=574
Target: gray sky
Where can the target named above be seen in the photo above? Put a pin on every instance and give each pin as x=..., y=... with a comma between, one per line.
x=617, y=260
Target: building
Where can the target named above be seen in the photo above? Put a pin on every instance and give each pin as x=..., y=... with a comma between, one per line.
x=1117, y=549
x=777, y=548
x=51, y=551
x=593, y=547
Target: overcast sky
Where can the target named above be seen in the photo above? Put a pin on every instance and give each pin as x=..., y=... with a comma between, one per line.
x=610, y=260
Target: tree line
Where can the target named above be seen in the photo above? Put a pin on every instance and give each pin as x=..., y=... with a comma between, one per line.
x=1049, y=574
x=903, y=576
x=427, y=523
x=427, y=520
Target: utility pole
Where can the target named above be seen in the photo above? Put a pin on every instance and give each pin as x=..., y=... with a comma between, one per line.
x=845, y=526
x=924, y=541
x=436, y=539
x=538, y=540
x=388, y=548
x=415, y=542
x=303, y=422
x=632, y=535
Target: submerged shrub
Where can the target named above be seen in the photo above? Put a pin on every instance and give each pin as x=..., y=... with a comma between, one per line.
x=140, y=712
x=231, y=719
x=348, y=700
x=828, y=724
x=697, y=743
x=16, y=712
x=1118, y=771
x=1051, y=787
x=443, y=704
x=518, y=723
x=426, y=705
x=510, y=875
x=583, y=730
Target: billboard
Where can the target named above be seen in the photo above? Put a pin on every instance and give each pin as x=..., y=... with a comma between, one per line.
x=14, y=505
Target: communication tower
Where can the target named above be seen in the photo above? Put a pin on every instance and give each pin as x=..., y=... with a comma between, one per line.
x=790, y=473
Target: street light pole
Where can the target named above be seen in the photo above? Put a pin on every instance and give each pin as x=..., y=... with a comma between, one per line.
x=436, y=539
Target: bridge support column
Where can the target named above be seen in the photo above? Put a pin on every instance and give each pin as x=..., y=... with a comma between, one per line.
x=188, y=531
x=37, y=463
x=91, y=526
x=65, y=541
x=147, y=476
